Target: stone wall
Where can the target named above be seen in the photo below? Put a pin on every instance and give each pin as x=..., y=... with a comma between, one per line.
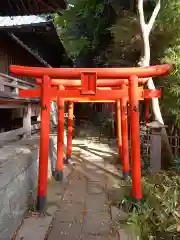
x=18, y=181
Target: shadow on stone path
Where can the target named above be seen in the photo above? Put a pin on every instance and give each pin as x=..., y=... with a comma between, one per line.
x=81, y=206
x=85, y=210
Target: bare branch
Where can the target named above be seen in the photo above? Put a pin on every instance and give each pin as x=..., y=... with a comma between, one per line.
x=154, y=15
x=141, y=14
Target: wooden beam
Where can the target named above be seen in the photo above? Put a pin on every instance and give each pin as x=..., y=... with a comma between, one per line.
x=76, y=95
x=102, y=73
x=16, y=79
x=6, y=99
x=15, y=38
x=13, y=85
x=12, y=106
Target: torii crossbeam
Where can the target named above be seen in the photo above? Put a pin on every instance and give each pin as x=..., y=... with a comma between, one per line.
x=89, y=85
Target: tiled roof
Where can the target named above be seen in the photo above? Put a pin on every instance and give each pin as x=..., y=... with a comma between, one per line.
x=30, y=7
x=44, y=44
x=21, y=20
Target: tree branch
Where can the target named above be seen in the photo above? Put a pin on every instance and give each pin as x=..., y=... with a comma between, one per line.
x=154, y=15
x=141, y=14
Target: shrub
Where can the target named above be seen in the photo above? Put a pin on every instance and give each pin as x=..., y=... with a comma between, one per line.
x=157, y=215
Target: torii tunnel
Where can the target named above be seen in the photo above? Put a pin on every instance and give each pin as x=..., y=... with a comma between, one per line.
x=120, y=85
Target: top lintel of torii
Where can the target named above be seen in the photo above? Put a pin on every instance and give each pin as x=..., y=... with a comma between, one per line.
x=101, y=73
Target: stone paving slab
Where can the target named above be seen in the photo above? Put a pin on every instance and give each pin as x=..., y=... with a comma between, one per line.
x=35, y=228
x=97, y=202
x=90, y=237
x=94, y=188
x=70, y=212
x=94, y=175
x=75, y=194
x=65, y=231
x=97, y=223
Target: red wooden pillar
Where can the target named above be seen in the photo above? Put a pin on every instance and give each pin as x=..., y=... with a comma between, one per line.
x=70, y=131
x=44, y=143
x=124, y=125
x=119, y=134
x=135, y=138
x=60, y=140
x=114, y=119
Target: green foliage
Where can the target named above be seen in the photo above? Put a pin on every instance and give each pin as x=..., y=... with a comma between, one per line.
x=167, y=33
x=167, y=24
x=157, y=215
x=178, y=120
x=126, y=40
x=127, y=47
x=145, y=157
x=81, y=26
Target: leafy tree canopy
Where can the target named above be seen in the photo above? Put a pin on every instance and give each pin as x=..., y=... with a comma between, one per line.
x=83, y=27
x=165, y=46
x=109, y=32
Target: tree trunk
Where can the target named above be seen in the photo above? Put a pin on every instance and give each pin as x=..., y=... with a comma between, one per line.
x=146, y=29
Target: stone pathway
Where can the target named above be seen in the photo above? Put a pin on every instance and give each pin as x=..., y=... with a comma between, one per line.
x=85, y=210
x=81, y=208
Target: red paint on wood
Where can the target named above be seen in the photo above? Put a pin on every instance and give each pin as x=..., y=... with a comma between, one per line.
x=102, y=73
x=88, y=82
x=119, y=133
x=114, y=94
x=135, y=138
x=44, y=137
x=60, y=138
x=124, y=126
x=100, y=83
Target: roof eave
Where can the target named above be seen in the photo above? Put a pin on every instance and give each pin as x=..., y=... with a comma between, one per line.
x=17, y=8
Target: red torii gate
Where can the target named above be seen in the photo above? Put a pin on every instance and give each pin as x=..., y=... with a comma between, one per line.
x=93, y=82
